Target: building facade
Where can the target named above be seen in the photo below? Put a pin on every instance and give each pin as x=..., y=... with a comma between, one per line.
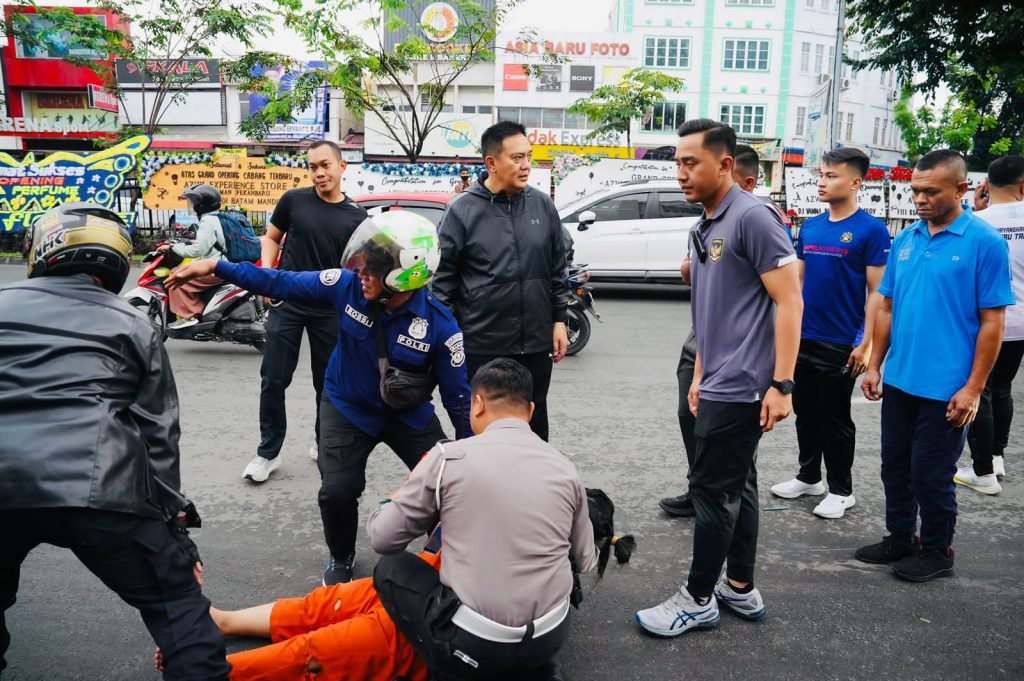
x=755, y=64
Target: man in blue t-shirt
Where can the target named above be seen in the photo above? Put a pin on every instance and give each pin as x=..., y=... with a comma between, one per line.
x=842, y=256
x=946, y=287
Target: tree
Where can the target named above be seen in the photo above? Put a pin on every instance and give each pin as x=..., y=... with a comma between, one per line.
x=615, y=107
x=955, y=127
x=375, y=77
x=154, y=39
x=974, y=48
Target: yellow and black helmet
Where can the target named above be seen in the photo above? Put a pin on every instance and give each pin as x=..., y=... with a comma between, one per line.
x=81, y=238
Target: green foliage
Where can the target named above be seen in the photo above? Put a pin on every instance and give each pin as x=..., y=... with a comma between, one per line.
x=974, y=48
x=156, y=35
x=614, y=107
x=955, y=127
x=373, y=80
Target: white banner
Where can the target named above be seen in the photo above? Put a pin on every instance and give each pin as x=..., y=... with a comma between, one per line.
x=802, y=194
x=609, y=172
x=358, y=180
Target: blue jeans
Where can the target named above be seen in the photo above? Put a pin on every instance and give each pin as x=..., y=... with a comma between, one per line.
x=919, y=454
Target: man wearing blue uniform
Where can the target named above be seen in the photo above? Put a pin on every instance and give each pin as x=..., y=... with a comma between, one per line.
x=396, y=343
x=945, y=292
x=842, y=256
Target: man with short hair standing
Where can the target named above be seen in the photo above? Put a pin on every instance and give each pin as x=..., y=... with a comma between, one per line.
x=318, y=222
x=946, y=288
x=990, y=433
x=746, y=308
x=503, y=266
x=842, y=254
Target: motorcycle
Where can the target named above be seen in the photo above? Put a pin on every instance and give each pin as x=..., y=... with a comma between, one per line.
x=232, y=314
x=581, y=302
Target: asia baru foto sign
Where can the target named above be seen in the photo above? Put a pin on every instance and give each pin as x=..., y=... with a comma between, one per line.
x=29, y=188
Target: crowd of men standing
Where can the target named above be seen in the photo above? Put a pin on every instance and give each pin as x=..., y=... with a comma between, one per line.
x=776, y=329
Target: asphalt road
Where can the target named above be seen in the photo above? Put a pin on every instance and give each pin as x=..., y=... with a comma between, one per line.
x=613, y=411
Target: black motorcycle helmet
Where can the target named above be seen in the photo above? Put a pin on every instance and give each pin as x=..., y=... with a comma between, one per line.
x=205, y=198
x=80, y=238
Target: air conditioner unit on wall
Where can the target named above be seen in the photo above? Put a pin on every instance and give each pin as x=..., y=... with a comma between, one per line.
x=823, y=78
x=894, y=95
x=846, y=84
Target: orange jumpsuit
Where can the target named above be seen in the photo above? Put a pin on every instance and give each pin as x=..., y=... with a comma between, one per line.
x=335, y=633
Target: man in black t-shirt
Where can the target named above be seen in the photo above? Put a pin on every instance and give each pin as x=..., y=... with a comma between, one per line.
x=318, y=221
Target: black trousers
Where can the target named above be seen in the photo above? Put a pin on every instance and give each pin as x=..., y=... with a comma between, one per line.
x=344, y=451
x=824, y=426
x=990, y=433
x=919, y=454
x=422, y=608
x=723, y=487
x=539, y=365
x=280, y=357
x=684, y=377
x=140, y=560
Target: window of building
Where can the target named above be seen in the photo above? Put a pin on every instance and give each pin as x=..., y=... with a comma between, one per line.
x=885, y=130
x=665, y=116
x=575, y=121
x=483, y=108
x=849, y=127
x=672, y=53
x=891, y=74
x=552, y=118
x=530, y=117
x=825, y=4
x=801, y=120
x=749, y=3
x=874, y=135
x=243, y=104
x=819, y=58
x=805, y=58
x=745, y=55
x=746, y=119
x=831, y=57
x=446, y=107
x=856, y=57
x=810, y=3
x=837, y=133
x=508, y=113
x=669, y=2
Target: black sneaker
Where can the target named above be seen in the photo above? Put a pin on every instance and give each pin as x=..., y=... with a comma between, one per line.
x=679, y=507
x=339, y=571
x=889, y=550
x=927, y=565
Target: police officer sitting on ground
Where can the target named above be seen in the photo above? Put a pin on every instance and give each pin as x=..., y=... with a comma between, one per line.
x=419, y=346
x=89, y=455
x=501, y=601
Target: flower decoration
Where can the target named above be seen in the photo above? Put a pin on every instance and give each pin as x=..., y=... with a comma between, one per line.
x=566, y=163
x=153, y=161
x=415, y=169
x=285, y=160
x=875, y=174
x=900, y=174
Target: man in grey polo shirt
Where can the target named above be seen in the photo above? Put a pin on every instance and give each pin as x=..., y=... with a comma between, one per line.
x=747, y=306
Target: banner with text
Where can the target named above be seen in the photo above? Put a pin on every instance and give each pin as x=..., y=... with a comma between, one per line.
x=802, y=194
x=245, y=182
x=609, y=172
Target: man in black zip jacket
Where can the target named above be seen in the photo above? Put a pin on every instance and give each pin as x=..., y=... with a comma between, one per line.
x=503, y=269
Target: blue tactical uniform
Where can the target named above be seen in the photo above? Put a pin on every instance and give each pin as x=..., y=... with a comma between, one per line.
x=422, y=335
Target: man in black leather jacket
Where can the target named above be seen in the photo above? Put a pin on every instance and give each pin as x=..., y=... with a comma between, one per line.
x=503, y=269
x=89, y=452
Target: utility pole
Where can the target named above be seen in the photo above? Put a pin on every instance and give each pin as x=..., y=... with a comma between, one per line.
x=837, y=74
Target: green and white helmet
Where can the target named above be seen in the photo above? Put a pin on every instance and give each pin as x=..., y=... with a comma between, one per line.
x=399, y=246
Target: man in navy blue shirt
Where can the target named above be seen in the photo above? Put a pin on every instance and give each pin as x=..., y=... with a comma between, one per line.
x=842, y=255
x=396, y=254
x=945, y=288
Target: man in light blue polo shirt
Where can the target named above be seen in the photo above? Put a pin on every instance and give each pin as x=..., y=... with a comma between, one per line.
x=945, y=292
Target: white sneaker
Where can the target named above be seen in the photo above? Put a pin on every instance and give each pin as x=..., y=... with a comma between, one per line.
x=259, y=469
x=678, y=615
x=795, y=488
x=834, y=506
x=183, y=323
x=749, y=606
x=998, y=467
x=986, y=484
x=314, y=452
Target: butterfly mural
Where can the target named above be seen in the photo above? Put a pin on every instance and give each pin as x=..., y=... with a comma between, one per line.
x=29, y=188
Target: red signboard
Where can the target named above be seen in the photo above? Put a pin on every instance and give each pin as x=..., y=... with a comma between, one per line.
x=101, y=98
x=514, y=77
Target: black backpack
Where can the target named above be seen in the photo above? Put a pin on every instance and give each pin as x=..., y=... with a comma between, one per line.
x=242, y=243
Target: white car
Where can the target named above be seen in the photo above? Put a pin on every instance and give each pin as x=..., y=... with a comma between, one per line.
x=638, y=231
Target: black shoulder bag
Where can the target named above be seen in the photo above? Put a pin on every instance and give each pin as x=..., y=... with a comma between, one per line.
x=399, y=389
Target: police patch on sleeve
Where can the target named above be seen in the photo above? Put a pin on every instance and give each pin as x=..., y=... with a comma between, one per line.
x=330, y=277
x=454, y=345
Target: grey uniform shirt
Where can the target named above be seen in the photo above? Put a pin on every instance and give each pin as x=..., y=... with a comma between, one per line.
x=733, y=315
x=512, y=509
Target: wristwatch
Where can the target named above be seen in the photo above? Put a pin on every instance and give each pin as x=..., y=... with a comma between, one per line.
x=785, y=386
